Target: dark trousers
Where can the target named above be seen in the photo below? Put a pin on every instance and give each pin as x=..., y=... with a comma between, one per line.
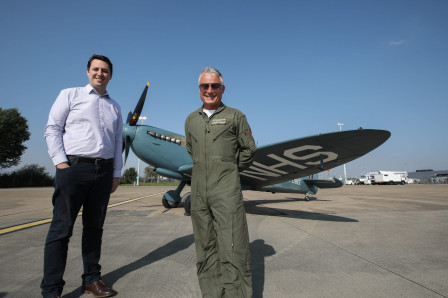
x=89, y=186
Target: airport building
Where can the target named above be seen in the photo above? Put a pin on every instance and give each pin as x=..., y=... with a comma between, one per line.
x=429, y=176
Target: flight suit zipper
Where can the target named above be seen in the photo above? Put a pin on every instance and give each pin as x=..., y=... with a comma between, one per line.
x=207, y=130
x=207, y=124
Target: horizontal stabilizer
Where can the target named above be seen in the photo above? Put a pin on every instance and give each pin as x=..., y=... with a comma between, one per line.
x=324, y=183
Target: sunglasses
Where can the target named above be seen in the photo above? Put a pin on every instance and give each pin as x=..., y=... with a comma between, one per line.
x=214, y=86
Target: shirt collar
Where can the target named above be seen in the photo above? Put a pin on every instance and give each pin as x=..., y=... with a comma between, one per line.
x=219, y=109
x=90, y=90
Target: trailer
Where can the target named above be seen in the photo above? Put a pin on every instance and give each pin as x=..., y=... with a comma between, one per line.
x=389, y=177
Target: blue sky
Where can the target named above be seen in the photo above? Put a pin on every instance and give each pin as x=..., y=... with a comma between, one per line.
x=295, y=68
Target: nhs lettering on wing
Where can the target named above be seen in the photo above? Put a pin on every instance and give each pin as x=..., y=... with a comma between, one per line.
x=289, y=158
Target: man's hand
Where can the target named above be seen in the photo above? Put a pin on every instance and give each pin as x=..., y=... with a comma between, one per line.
x=115, y=182
x=62, y=165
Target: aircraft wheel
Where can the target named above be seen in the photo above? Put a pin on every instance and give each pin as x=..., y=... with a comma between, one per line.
x=187, y=204
x=307, y=198
x=168, y=204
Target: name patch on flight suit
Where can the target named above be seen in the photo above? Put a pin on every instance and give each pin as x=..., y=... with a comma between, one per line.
x=219, y=122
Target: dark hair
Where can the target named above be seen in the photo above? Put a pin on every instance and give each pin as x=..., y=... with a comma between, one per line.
x=102, y=58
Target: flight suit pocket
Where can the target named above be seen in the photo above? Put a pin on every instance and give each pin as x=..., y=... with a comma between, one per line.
x=224, y=226
x=224, y=172
x=225, y=141
x=218, y=135
x=233, y=238
x=194, y=147
x=239, y=234
x=247, y=141
x=193, y=137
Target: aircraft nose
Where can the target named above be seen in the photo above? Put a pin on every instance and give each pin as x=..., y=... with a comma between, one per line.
x=128, y=137
x=128, y=132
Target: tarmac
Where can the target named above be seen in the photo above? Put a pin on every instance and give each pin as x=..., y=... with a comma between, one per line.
x=354, y=241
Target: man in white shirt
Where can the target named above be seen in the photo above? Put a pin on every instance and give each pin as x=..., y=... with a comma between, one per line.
x=84, y=139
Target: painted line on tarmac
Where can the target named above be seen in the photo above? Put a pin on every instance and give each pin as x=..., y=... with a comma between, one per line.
x=48, y=220
x=132, y=200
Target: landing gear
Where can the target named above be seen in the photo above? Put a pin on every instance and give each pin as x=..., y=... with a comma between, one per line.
x=307, y=198
x=169, y=204
x=171, y=198
x=186, y=199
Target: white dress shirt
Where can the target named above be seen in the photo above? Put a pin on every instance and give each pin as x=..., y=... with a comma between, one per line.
x=84, y=123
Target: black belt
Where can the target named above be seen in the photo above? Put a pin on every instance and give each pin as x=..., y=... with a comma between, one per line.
x=95, y=161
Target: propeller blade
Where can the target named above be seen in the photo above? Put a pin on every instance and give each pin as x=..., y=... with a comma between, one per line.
x=129, y=118
x=126, y=148
x=139, y=107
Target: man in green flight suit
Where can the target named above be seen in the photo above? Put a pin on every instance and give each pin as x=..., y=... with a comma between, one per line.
x=220, y=142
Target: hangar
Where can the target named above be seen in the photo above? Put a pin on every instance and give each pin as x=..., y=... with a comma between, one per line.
x=429, y=176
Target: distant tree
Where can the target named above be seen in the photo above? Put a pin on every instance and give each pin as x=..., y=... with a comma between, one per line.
x=150, y=175
x=13, y=133
x=129, y=176
x=31, y=175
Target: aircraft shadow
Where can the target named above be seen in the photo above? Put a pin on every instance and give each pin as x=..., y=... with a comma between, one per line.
x=286, y=200
x=259, y=251
x=303, y=199
x=160, y=253
x=254, y=207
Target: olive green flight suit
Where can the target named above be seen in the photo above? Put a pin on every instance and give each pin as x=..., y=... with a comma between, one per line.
x=221, y=146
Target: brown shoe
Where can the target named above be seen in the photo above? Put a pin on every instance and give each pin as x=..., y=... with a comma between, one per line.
x=99, y=289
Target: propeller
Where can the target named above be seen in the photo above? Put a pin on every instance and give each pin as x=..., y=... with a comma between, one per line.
x=139, y=107
x=132, y=121
x=126, y=148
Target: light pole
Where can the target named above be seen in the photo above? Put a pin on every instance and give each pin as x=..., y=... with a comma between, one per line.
x=345, y=173
x=138, y=164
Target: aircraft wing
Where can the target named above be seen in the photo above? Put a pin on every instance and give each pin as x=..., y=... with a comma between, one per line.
x=302, y=157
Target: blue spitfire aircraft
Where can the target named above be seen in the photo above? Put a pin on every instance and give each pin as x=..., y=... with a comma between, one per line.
x=276, y=168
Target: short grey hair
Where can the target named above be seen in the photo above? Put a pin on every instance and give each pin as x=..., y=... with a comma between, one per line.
x=211, y=70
